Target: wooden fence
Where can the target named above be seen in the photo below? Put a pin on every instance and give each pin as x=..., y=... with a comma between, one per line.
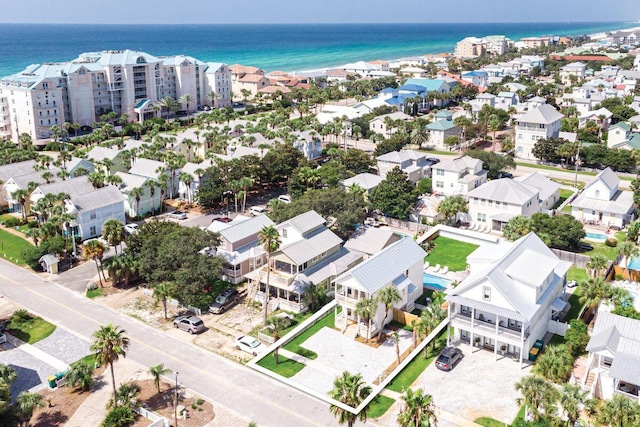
x=404, y=317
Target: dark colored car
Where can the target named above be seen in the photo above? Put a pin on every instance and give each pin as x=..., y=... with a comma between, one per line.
x=448, y=358
x=224, y=301
x=433, y=160
x=222, y=219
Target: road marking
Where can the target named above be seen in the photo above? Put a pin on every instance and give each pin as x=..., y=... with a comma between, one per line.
x=222, y=380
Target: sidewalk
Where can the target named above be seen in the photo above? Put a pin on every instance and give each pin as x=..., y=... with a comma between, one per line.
x=93, y=410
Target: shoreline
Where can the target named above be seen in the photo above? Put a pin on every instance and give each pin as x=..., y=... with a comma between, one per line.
x=596, y=36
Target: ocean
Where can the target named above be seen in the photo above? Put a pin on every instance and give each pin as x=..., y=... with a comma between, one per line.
x=292, y=47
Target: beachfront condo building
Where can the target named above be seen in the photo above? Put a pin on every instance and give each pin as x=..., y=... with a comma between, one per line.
x=95, y=83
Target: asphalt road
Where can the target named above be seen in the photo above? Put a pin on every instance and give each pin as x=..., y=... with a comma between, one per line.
x=246, y=392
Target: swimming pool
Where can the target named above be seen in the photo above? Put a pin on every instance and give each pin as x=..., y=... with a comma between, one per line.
x=596, y=236
x=435, y=282
x=634, y=264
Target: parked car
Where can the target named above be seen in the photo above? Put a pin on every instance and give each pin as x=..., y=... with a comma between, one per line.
x=250, y=344
x=178, y=215
x=284, y=198
x=433, y=160
x=257, y=210
x=572, y=284
x=448, y=358
x=222, y=219
x=131, y=229
x=224, y=301
x=191, y=324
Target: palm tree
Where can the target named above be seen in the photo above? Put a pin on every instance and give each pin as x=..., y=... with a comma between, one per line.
x=277, y=324
x=628, y=250
x=269, y=239
x=94, y=249
x=313, y=296
x=350, y=390
x=137, y=193
x=187, y=100
x=21, y=197
x=156, y=372
x=7, y=374
x=167, y=103
x=113, y=232
x=538, y=393
x=597, y=264
x=593, y=291
x=555, y=364
x=187, y=179
x=26, y=403
x=366, y=310
x=108, y=344
x=387, y=296
x=80, y=375
x=417, y=409
x=127, y=393
x=246, y=183
x=162, y=292
x=572, y=400
x=34, y=233
x=620, y=411
x=152, y=192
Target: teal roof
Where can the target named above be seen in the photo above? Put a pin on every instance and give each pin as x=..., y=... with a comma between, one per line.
x=622, y=125
x=428, y=84
x=633, y=142
x=506, y=94
x=441, y=125
x=443, y=114
x=141, y=103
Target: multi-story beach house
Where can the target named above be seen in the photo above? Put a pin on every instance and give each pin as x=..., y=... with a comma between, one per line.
x=93, y=208
x=386, y=124
x=247, y=78
x=458, y=176
x=601, y=202
x=541, y=123
x=399, y=265
x=575, y=69
x=439, y=130
x=411, y=162
x=123, y=81
x=613, y=365
x=514, y=291
x=309, y=253
x=239, y=246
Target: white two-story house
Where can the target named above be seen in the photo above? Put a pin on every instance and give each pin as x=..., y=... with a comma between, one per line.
x=93, y=208
x=239, y=246
x=541, y=123
x=413, y=163
x=458, y=176
x=439, y=131
x=399, y=265
x=309, y=253
x=548, y=191
x=512, y=293
x=603, y=203
x=613, y=366
x=494, y=203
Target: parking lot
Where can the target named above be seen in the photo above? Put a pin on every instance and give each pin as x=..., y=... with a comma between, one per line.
x=478, y=386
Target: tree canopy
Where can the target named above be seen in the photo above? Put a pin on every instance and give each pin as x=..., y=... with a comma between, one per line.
x=557, y=231
x=395, y=196
x=494, y=163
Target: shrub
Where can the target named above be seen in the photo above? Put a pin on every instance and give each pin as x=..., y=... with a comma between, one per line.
x=117, y=417
x=21, y=317
x=31, y=256
x=12, y=222
x=577, y=337
x=612, y=242
x=80, y=376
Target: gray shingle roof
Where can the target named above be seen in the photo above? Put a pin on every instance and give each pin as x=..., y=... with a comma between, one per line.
x=365, y=180
x=96, y=199
x=505, y=190
x=545, y=186
x=22, y=181
x=146, y=167
x=371, y=240
x=607, y=177
x=98, y=154
x=129, y=182
x=458, y=164
x=544, y=114
x=384, y=267
x=15, y=169
x=71, y=186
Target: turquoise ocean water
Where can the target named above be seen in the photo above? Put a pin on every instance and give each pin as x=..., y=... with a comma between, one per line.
x=271, y=47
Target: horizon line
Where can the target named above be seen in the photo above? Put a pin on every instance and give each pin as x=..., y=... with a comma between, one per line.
x=320, y=23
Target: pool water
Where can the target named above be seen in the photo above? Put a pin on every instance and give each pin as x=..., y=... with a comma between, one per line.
x=596, y=236
x=435, y=282
x=634, y=264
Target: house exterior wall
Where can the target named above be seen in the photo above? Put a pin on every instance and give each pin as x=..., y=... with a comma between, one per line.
x=528, y=133
x=145, y=205
x=482, y=210
x=90, y=222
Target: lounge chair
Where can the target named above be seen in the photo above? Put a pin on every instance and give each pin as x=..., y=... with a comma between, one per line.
x=487, y=229
x=436, y=269
x=445, y=270
x=426, y=266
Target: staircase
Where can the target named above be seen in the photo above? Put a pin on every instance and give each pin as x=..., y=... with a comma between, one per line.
x=351, y=331
x=590, y=379
x=273, y=305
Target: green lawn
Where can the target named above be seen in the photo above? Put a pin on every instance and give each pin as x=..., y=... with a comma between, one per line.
x=450, y=252
x=94, y=293
x=564, y=195
x=286, y=368
x=31, y=332
x=379, y=406
x=417, y=366
x=600, y=248
x=556, y=340
x=576, y=306
x=89, y=358
x=577, y=274
x=295, y=345
x=488, y=422
x=11, y=247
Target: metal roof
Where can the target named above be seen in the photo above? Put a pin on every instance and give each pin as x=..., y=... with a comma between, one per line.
x=505, y=190
x=545, y=186
x=305, y=222
x=15, y=169
x=371, y=240
x=365, y=180
x=544, y=114
x=311, y=246
x=242, y=229
x=385, y=266
x=96, y=199
x=621, y=203
x=147, y=168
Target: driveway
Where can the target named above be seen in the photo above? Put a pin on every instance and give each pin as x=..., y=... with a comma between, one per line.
x=478, y=386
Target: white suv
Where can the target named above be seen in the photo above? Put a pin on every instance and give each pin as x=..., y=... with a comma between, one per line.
x=257, y=210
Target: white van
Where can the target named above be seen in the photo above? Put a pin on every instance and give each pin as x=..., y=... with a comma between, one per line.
x=257, y=210
x=284, y=198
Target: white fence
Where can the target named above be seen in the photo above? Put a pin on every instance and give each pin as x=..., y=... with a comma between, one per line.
x=557, y=328
x=157, y=420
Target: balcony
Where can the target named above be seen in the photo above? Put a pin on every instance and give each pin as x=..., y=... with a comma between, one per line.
x=487, y=327
x=344, y=300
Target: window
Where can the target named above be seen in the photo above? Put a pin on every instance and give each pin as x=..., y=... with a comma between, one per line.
x=597, y=194
x=92, y=230
x=439, y=184
x=440, y=172
x=92, y=215
x=284, y=233
x=486, y=293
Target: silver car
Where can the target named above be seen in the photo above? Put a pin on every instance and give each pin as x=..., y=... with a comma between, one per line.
x=191, y=324
x=178, y=215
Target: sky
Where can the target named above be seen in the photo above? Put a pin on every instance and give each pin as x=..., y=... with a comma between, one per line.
x=314, y=11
